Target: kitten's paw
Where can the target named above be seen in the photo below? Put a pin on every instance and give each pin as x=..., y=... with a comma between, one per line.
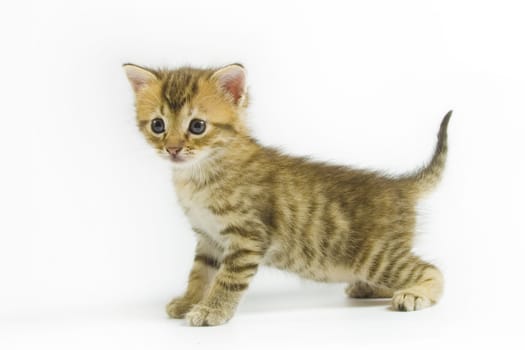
x=408, y=301
x=364, y=290
x=359, y=290
x=202, y=315
x=178, y=307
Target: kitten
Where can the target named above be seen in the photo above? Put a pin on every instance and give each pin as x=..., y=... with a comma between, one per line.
x=251, y=205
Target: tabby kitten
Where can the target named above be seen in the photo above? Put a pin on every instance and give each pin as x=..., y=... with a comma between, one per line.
x=251, y=205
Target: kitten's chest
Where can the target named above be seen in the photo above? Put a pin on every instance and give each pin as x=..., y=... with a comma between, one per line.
x=196, y=207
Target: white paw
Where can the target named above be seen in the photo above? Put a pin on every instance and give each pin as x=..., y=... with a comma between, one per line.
x=407, y=301
x=202, y=315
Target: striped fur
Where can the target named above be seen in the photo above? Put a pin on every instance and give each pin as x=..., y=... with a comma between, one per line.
x=251, y=205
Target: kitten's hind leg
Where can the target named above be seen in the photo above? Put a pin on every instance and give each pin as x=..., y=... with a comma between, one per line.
x=360, y=289
x=417, y=284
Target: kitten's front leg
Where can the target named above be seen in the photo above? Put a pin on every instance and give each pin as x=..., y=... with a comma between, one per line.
x=239, y=265
x=205, y=266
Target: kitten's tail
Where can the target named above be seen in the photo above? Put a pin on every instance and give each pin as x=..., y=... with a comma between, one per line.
x=426, y=178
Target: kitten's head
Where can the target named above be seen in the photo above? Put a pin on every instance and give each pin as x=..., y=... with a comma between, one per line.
x=189, y=115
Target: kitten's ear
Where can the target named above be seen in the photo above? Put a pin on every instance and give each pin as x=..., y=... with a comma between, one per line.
x=139, y=77
x=232, y=81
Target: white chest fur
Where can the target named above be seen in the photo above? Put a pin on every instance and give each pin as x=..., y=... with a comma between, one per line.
x=195, y=205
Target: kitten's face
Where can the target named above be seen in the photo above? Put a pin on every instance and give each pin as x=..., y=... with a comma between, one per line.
x=189, y=115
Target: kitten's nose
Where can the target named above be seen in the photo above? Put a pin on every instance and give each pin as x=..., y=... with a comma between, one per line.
x=174, y=150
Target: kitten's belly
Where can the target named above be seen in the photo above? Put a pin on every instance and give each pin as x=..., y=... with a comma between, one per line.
x=315, y=269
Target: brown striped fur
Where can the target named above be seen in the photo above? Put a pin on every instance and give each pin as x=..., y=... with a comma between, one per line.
x=251, y=205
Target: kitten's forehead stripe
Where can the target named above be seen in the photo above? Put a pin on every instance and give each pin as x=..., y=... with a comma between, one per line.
x=195, y=87
x=181, y=86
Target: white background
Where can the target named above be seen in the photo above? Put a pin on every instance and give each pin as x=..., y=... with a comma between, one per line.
x=93, y=244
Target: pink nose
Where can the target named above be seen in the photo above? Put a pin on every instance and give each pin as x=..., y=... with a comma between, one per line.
x=174, y=150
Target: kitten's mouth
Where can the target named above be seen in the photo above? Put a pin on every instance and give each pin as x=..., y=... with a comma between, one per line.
x=177, y=158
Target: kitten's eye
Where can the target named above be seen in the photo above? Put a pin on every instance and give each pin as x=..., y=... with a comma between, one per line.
x=157, y=125
x=197, y=126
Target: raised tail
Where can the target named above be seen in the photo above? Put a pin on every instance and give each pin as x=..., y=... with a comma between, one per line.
x=426, y=178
